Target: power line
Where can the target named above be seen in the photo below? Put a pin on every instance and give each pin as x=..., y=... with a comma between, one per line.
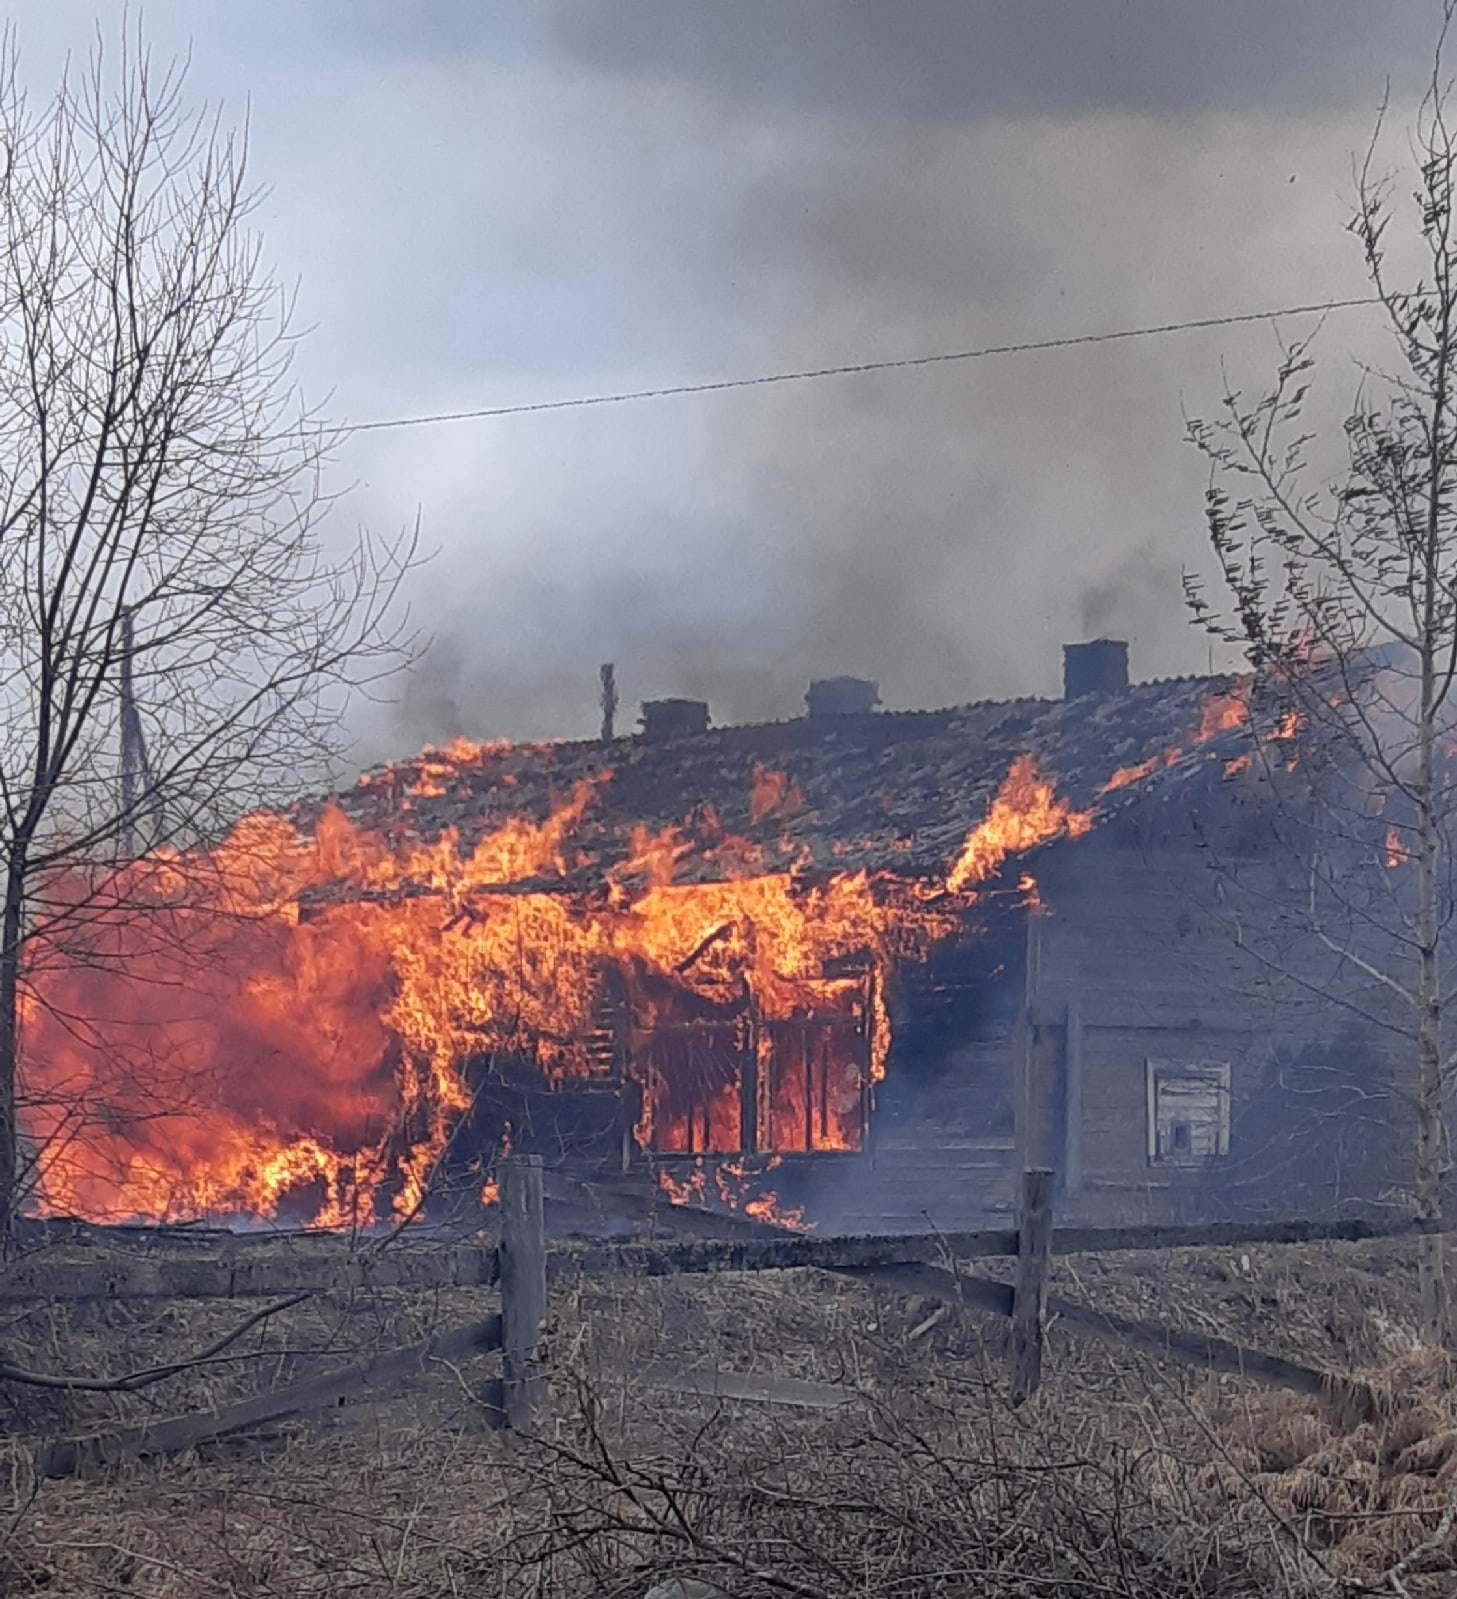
x=905, y=363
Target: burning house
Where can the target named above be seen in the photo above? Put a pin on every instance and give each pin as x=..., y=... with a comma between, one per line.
x=858, y=968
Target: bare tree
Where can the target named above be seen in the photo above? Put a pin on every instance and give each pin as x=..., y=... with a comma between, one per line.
x=1344, y=597
x=176, y=636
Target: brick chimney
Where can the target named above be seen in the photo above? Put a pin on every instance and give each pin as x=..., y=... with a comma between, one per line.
x=841, y=696
x=1098, y=667
x=667, y=719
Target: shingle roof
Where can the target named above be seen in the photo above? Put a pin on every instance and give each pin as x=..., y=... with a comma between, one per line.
x=896, y=791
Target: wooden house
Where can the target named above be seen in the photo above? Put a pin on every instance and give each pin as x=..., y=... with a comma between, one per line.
x=1085, y=995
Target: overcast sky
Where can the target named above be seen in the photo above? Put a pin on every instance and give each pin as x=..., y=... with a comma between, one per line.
x=493, y=203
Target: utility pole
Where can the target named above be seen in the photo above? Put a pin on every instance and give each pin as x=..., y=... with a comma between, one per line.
x=609, y=701
x=137, y=786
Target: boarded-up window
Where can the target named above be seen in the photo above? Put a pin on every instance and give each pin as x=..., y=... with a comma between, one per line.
x=1188, y=1112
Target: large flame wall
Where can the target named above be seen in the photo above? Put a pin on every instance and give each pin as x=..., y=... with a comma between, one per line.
x=286, y=1021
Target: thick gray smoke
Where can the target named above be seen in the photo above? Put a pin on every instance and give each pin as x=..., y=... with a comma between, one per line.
x=525, y=201
x=816, y=183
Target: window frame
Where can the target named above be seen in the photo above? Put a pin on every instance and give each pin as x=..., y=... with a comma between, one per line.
x=1203, y=1073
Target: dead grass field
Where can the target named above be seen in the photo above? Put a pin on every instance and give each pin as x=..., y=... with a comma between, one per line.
x=1123, y=1477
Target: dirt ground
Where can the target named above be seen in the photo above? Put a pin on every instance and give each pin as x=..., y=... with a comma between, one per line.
x=1125, y=1475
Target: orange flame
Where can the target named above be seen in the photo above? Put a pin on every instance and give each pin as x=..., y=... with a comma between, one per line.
x=1026, y=812
x=736, y=1189
x=1221, y=712
x=283, y=1027
x=692, y=1191
x=773, y=794
x=1126, y=776
x=1224, y=712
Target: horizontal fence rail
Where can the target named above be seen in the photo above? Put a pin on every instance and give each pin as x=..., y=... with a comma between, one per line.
x=250, y=1276
x=127, y=1275
x=770, y=1251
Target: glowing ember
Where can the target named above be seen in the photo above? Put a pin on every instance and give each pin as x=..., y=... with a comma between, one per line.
x=737, y=1189
x=1223, y=713
x=1126, y=776
x=773, y=794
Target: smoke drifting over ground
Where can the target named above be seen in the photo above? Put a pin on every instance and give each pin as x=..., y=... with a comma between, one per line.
x=522, y=202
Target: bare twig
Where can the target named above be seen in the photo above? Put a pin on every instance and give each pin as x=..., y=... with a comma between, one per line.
x=137, y=1380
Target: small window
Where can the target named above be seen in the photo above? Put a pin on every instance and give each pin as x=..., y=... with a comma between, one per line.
x=1188, y=1112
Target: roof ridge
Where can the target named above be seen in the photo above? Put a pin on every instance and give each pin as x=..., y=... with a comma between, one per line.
x=505, y=748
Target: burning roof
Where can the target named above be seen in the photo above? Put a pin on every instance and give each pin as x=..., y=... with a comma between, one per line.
x=895, y=792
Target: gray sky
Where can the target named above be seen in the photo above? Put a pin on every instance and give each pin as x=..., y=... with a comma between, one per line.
x=486, y=204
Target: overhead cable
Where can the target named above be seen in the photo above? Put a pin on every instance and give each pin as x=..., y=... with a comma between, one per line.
x=854, y=368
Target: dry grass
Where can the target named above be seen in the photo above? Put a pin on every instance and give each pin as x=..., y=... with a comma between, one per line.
x=1119, y=1479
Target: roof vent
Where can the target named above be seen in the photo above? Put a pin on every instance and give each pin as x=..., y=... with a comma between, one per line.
x=667, y=719
x=842, y=696
x=1099, y=667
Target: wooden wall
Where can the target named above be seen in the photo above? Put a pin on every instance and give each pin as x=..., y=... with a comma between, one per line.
x=941, y=1150
x=1141, y=945
x=1135, y=948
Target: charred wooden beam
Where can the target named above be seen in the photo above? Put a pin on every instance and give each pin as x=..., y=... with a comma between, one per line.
x=627, y=1198
x=797, y=1251
x=1027, y=1102
x=1209, y=1353
x=1072, y=1127
x=703, y=946
x=936, y=1282
x=784, y=1252
x=1218, y=1235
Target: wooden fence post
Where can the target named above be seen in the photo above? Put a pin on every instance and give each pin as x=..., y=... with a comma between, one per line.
x=523, y=1290
x=1072, y=1130
x=1029, y=1296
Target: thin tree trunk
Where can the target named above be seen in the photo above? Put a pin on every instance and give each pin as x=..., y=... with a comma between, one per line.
x=1430, y=1144
x=10, y=952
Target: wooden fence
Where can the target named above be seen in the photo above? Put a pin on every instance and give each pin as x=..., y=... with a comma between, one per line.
x=524, y=1263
